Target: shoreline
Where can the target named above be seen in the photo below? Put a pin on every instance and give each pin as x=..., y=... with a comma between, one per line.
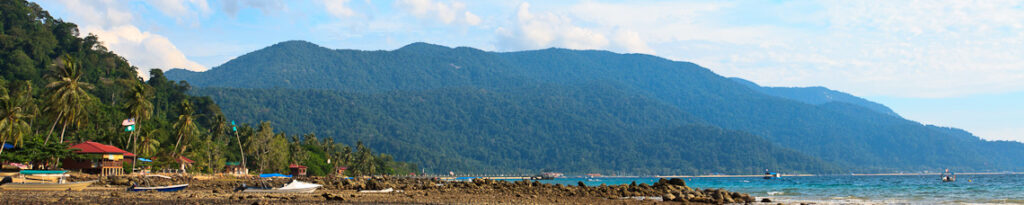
x=219, y=190
x=716, y=175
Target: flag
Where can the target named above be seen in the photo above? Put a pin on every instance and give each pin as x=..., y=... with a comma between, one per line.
x=129, y=121
x=129, y=128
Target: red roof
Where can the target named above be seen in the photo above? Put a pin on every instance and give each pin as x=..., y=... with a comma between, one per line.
x=185, y=159
x=296, y=166
x=90, y=147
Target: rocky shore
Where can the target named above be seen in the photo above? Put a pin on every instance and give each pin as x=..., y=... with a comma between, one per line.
x=220, y=190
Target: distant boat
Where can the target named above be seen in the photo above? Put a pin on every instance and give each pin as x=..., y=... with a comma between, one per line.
x=36, y=184
x=295, y=186
x=771, y=175
x=547, y=176
x=948, y=176
x=171, y=188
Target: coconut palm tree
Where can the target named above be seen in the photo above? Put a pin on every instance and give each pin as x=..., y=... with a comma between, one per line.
x=14, y=111
x=148, y=144
x=140, y=108
x=68, y=96
x=185, y=128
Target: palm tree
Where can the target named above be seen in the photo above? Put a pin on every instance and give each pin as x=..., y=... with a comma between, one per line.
x=149, y=145
x=185, y=128
x=68, y=96
x=14, y=110
x=140, y=108
x=220, y=125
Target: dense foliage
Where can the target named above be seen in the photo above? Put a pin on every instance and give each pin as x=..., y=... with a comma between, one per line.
x=556, y=108
x=58, y=89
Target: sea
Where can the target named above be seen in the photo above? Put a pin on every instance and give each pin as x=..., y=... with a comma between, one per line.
x=849, y=189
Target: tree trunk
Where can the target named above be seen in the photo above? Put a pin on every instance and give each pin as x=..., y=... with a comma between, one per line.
x=135, y=146
x=2, y=146
x=51, y=128
x=176, y=146
x=62, y=129
x=241, y=151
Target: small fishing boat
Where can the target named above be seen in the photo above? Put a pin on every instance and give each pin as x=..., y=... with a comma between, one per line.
x=42, y=185
x=771, y=175
x=948, y=176
x=148, y=187
x=295, y=186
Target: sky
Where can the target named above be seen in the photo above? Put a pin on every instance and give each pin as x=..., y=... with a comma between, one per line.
x=954, y=63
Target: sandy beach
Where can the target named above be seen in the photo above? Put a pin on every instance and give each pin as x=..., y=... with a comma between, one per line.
x=219, y=190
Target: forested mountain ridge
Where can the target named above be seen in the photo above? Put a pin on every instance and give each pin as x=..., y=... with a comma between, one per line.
x=850, y=136
x=816, y=96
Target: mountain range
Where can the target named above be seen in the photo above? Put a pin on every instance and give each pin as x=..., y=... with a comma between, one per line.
x=577, y=111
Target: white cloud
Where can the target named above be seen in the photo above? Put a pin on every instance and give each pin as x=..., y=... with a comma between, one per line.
x=630, y=41
x=338, y=8
x=454, y=12
x=541, y=30
x=144, y=48
x=183, y=10
x=471, y=18
x=231, y=7
x=112, y=23
x=893, y=48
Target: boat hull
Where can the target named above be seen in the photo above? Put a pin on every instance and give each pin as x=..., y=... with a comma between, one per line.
x=73, y=186
x=277, y=190
x=171, y=188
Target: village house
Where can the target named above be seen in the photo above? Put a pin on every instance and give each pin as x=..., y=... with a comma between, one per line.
x=297, y=170
x=98, y=158
x=235, y=168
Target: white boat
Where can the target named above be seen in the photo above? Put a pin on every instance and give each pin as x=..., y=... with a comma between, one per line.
x=295, y=186
x=73, y=186
x=171, y=188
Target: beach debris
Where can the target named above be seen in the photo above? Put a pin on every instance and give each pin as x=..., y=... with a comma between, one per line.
x=332, y=197
x=388, y=190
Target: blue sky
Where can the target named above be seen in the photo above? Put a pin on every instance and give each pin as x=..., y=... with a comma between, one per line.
x=949, y=63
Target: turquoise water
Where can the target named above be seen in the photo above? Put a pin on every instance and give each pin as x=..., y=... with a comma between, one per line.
x=925, y=189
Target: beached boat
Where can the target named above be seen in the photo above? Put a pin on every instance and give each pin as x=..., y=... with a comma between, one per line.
x=295, y=186
x=73, y=186
x=171, y=188
x=148, y=187
x=43, y=180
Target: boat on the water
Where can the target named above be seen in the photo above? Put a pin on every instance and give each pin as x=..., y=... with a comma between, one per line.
x=771, y=175
x=948, y=176
x=30, y=181
x=295, y=186
x=148, y=186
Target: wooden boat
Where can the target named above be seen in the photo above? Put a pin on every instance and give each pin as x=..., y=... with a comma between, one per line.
x=171, y=188
x=295, y=186
x=44, y=180
x=73, y=186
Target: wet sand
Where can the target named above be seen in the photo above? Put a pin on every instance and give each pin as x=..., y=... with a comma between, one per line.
x=112, y=190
